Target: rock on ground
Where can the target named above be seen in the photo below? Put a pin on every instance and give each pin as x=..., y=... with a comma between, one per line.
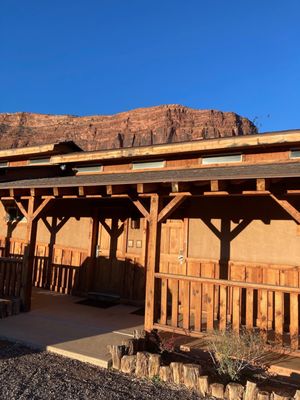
x=26, y=374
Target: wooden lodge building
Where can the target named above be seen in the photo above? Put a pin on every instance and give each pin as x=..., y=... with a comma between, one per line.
x=204, y=233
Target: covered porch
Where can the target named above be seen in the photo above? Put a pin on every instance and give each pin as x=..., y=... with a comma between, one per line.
x=61, y=324
x=183, y=294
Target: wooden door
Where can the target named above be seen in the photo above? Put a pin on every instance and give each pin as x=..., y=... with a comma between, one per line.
x=172, y=250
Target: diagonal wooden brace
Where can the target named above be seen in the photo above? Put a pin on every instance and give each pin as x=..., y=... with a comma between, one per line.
x=141, y=208
x=171, y=207
x=288, y=207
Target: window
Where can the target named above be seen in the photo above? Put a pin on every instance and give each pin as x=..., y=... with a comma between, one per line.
x=135, y=223
x=148, y=164
x=39, y=161
x=222, y=159
x=295, y=154
x=89, y=169
x=3, y=164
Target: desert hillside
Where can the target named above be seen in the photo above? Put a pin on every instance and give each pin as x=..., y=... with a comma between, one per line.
x=144, y=126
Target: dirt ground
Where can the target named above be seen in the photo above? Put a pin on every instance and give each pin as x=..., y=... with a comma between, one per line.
x=26, y=374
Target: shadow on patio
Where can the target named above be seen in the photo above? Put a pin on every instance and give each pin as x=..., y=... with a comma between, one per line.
x=59, y=324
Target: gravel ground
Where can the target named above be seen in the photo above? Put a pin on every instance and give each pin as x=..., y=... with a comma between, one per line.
x=26, y=374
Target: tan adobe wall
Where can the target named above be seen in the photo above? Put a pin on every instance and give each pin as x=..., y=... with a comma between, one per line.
x=277, y=242
x=73, y=234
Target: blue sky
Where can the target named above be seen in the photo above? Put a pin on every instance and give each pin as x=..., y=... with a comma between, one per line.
x=106, y=56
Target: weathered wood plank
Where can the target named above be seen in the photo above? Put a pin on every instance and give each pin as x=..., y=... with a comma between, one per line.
x=151, y=262
x=223, y=308
x=294, y=320
x=236, y=309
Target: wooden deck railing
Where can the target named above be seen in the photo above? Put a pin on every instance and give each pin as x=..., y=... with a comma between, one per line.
x=57, y=277
x=195, y=305
x=11, y=277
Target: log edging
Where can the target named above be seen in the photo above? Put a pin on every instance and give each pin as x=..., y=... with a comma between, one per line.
x=148, y=365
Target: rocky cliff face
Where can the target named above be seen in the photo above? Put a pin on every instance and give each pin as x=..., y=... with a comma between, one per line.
x=144, y=126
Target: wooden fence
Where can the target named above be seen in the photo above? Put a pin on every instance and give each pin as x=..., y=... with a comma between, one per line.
x=123, y=275
x=11, y=272
x=195, y=305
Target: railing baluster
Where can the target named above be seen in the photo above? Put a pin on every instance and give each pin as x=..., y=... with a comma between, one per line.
x=175, y=289
x=236, y=309
x=186, y=305
x=198, y=306
x=263, y=306
x=294, y=320
x=210, y=307
x=223, y=308
x=163, y=302
x=249, y=308
x=279, y=302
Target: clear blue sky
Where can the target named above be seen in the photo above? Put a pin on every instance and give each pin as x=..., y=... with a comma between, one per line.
x=88, y=57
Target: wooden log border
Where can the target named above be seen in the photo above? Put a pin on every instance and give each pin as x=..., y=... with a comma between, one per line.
x=148, y=365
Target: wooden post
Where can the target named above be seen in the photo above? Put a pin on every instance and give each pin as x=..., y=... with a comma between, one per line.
x=31, y=242
x=92, y=253
x=251, y=391
x=51, y=251
x=151, y=262
x=32, y=214
x=53, y=229
x=23, y=293
x=203, y=385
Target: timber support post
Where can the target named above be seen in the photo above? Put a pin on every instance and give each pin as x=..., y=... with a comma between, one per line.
x=53, y=229
x=152, y=258
x=92, y=252
x=32, y=215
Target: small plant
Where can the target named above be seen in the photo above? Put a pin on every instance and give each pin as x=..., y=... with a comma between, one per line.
x=155, y=379
x=232, y=353
x=160, y=343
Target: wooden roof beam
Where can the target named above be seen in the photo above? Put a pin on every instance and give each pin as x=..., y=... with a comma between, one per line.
x=147, y=187
x=262, y=184
x=217, y=186
x=179, y=187
x=288, y=207
x=117, y=189
x=142, y=209
x=21, y=208
x=81, y=191
x=41, y=207
x=171, y=207
x=222, y=144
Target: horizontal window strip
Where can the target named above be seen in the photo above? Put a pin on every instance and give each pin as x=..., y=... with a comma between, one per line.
x=148, y=164
x=222, y=159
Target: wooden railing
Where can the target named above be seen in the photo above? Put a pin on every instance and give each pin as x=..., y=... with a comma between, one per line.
x=57, y=277
x=11, y=277
x=195, y=305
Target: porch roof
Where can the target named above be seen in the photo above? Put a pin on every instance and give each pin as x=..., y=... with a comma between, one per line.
x=62, y=147
x=237, y=172
x=227, y=144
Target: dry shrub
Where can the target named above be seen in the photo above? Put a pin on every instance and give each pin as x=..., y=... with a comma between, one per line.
x=232, y=353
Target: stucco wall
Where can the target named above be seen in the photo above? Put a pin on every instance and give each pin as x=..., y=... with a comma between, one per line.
x=277, y=242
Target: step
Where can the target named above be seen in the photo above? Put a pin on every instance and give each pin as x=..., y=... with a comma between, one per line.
x=9, y=307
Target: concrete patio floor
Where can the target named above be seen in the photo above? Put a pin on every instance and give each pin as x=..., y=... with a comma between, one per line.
x=57, y=324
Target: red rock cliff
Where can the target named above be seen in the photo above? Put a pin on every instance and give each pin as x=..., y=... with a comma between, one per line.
x=144, y=126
